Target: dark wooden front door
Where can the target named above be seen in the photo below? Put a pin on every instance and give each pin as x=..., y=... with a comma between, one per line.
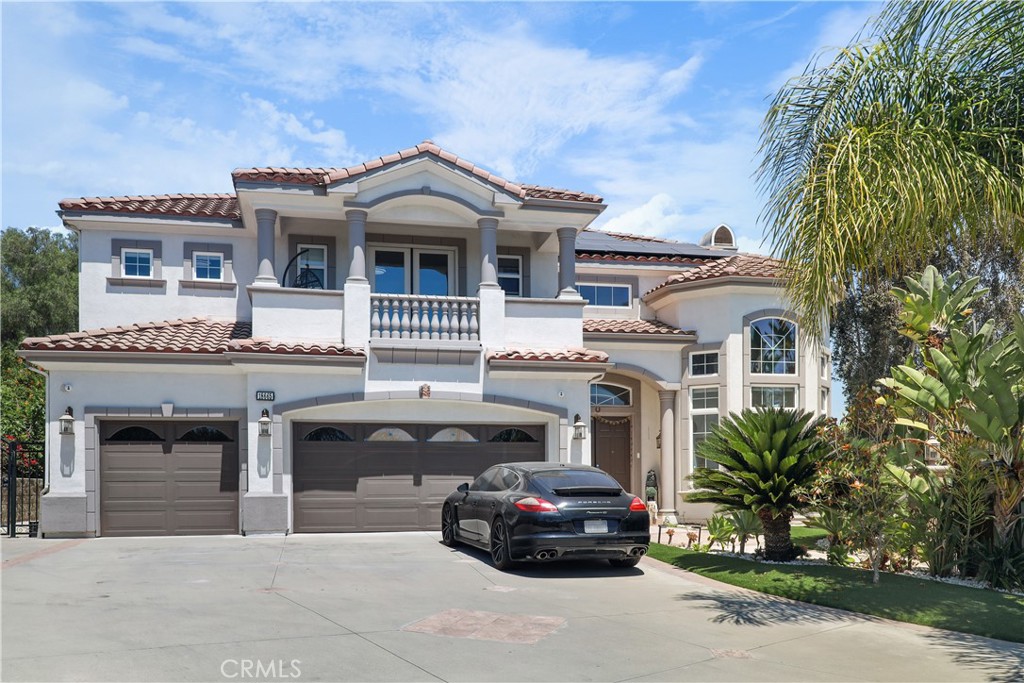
x=612, y=448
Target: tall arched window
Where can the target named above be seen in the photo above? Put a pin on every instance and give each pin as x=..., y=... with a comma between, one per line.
x=772, y=347
x=609, y=395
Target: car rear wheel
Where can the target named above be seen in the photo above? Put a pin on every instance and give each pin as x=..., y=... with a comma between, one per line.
x=625, y=562
x=499, y=545
x=448, y=525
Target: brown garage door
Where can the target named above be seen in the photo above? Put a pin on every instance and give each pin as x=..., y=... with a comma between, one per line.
x=395, y=477
x=168, y=478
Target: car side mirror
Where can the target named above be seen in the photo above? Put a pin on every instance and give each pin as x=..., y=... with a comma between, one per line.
x=462, y=488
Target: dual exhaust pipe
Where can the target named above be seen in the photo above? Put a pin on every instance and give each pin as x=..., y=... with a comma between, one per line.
x=545, y=555
x=638, y=552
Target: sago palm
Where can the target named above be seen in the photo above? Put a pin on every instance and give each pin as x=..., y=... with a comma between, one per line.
x=910, y=138
x=767, y=460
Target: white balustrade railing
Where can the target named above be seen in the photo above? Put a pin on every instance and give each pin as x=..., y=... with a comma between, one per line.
x=404, y=316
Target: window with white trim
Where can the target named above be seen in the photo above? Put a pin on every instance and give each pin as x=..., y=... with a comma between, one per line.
x=609, y=395
x=704, y=364
x=703, y=420
x=510, y=274
x=825, y=363
x=314, y=260
x=606, y=295
x=772, y=347
x=137, y=263
x=207, y=265
x=824, y=401
x=773, y=397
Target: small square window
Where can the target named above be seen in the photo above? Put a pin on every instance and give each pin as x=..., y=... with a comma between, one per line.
x=510, y=275
x=207, y=266
x=704, y=363
x=137, y=263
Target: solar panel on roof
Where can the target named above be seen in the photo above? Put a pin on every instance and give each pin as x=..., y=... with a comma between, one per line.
x=595, y=240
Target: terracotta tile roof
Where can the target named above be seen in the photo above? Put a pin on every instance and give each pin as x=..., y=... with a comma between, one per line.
x=549, y=355
x=641, y=327
x=641, y=258
x=191, y=335
x=740, y=265
x=327, y=176
x=197, y=205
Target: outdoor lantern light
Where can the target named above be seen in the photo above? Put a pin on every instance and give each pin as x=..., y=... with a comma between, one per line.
x=67, y=422
x=264, y=423
x=579, y=430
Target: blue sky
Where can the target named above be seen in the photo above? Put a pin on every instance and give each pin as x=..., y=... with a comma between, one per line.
x=655, y=106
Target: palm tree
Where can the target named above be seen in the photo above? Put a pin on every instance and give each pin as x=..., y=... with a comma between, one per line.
x=767, y=460
x=909, y=138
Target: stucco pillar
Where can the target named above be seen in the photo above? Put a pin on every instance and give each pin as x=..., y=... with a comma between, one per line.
x=668, y=455
x=567, y=263
x=266, y=220
x=488, y=252
x=356, y=245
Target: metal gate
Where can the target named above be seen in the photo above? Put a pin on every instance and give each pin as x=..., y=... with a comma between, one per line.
x=24, y=468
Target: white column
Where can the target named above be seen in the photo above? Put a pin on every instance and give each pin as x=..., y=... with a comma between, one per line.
x=668, y=455
x=488, y=252
x=266, y=220
x=356, y=245
x=567, y=263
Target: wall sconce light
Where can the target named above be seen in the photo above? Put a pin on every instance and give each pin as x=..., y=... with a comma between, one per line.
x=579, y=430
x=67, y=422
x=264, y=423
x=657, y=440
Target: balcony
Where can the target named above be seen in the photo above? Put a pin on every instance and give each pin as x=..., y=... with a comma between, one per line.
x=434, y=318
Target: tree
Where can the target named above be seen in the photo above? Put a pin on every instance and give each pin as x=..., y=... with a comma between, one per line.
x=39, y=283
x=911, y=137
x=767, y=460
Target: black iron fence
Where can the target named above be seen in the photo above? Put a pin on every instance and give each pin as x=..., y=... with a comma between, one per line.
x=24, y=474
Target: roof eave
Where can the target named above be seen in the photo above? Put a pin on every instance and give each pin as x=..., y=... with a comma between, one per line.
x=662, y=291
x=642, y=337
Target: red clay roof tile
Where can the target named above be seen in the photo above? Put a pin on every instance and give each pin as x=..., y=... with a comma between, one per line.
x=740, y=265
x=640, y=327
x=550, y=355
x=197, y=205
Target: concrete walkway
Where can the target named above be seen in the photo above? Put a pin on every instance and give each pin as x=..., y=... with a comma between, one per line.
x=402, y=607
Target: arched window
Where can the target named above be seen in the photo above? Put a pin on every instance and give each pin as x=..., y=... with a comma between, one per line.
x=512, y=435
x=136, y=434
x=772, y=347
x=723, y=237
x=327, y=434
x=609, y=395
x=391, y=434
x=205, y=433
x=454, y=434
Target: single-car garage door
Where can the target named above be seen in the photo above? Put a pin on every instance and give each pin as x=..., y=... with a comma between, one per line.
x=394, y=477
x=168, y=478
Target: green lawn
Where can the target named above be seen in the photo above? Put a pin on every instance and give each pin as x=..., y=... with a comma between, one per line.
x=806, y=536
x=902, y=598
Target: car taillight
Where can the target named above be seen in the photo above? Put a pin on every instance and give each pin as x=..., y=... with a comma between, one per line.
x=637, y=505
x=536, y=505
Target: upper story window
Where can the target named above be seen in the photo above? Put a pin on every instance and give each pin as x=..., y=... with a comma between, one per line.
x=704, y=363
x=606, y=295
x=207, y=265
x=704, y=419
x=773, y=397
x=772, y=347
x=312, y=263
x=137, y=262
x=609, y=395
x=429, y=272
x=510, y=275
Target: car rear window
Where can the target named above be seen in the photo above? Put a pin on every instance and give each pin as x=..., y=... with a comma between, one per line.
x=586, y=479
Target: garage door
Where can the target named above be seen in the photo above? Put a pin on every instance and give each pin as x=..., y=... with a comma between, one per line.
x=168, y=478
x=364, y=477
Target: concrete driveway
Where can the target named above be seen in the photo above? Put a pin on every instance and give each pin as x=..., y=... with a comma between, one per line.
x=402, y=607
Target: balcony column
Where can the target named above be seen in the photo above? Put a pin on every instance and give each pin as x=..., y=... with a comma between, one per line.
x=266, y=220
x=567, y=263
x=488, y=253
x=356, y=245
x=668, y=454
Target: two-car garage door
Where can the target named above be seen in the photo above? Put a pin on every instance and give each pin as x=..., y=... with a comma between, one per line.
x=366, y=477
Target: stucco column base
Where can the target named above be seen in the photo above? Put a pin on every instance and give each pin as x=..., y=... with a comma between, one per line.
x=356, y=314
x=569, y=294
x=62, y=515
x=266, y=281
x=264, y=513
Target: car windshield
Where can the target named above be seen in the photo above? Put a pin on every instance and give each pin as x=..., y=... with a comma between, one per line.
x=565, y=478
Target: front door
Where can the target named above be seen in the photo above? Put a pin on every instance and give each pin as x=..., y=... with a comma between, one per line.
x=611, y=438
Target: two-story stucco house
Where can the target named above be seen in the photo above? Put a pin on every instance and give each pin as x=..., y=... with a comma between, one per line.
x=336, y=349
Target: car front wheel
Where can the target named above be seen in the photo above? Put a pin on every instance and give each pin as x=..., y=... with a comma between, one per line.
x=499, y=545
x=448, y=525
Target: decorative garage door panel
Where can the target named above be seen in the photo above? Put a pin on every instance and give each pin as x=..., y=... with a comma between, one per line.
x=168, y=478
x=395, y=477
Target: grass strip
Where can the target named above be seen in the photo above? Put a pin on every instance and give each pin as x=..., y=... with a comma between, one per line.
x=902, y=598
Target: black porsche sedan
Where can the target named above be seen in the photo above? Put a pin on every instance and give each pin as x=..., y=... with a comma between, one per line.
x=540, y=511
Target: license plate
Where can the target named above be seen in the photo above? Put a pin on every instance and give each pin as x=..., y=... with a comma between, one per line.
x=595, y=526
